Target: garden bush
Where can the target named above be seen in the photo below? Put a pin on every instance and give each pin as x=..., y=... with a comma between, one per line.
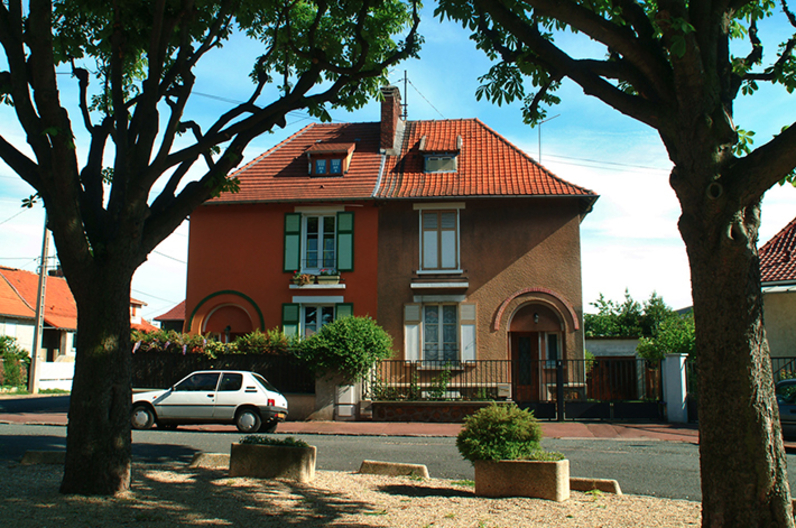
x=15, y=363
x=502, y=432
x=350, y=345
x=271, y=342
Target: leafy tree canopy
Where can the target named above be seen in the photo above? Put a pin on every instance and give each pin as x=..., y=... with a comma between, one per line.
x=628, y=318
x=674, y=335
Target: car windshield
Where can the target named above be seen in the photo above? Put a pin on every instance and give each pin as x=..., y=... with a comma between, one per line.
x=786, y=392
x=264, y=382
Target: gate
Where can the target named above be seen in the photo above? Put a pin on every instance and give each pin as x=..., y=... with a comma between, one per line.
x=599, y=388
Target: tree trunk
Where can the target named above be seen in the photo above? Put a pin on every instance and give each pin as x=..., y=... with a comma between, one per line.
x=742, y=459
x=98, y=445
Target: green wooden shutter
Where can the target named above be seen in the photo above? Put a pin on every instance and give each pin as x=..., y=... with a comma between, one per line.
x=345, y=241
x=292, y=260
x=291, y=314
x=343, y=310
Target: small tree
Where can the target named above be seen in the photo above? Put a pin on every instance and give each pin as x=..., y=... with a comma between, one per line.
x=350, y=345
x=13, y=358
x=627, y=319
x=675, y=335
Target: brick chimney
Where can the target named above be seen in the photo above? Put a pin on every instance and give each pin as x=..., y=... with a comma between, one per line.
x=390, y=115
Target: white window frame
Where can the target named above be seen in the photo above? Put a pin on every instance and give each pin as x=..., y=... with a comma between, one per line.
x=319, y=238
x=440, y=163
x=303, y=317
x=454, y=207
x=440, y=308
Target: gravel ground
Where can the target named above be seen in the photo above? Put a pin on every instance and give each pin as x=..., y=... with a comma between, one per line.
x=167, y=495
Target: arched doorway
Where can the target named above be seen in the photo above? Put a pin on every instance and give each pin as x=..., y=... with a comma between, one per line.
x=228, y=322
x=536, y=341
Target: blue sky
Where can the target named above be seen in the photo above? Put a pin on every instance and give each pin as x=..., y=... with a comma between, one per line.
x=630, y=240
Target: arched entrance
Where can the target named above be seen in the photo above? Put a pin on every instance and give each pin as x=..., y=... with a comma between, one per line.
x=536, y=341
x=228, y=322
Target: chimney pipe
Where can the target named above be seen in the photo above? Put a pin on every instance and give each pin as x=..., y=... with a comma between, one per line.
x=390, y=115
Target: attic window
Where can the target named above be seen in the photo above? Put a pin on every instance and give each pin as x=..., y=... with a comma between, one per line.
x=330, y=159
x=441, y=163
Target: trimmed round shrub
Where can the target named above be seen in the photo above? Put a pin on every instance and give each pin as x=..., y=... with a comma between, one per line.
x=349, y=345
x=500, y=432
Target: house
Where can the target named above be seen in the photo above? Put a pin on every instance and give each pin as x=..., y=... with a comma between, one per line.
x=18, y=293
x=174, y=319
x=778, y=285
x=459, y=244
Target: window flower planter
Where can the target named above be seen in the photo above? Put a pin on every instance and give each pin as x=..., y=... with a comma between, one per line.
x=328, y=279
x=272, y=461
x=522, y=478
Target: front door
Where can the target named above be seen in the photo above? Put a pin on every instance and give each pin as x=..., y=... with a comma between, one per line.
x=525, y=359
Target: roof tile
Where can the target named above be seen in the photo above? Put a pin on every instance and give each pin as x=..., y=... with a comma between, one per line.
x=778, y=256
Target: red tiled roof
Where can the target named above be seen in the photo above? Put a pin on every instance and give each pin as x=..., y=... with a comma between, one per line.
x=144, y=326
x=281, y=174
x=487, y=165
x=778, y=256
x=332, y=147
x=18, y=291
x=175, y=314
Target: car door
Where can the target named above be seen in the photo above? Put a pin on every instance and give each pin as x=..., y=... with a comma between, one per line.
x=191, y=399
x=229, y=395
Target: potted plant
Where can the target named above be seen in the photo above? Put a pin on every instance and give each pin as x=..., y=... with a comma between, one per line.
x=267, y=457
x=502, y=442
x=302, y=279
x=328, y=276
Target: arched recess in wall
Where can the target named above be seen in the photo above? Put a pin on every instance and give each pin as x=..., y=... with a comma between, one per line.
x=563, y=308
x=226, y=308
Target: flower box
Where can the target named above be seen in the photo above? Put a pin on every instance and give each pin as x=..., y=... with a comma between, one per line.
x=328, y=279
x=522, y=478
x=272, y=461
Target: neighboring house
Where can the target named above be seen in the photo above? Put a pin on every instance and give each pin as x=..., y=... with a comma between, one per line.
x=459, y=244
x=136, y=321
x=174, y=319
x=778, y=282
x=18, y=292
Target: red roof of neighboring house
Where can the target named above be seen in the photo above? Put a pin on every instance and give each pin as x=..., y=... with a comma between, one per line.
x=144, y=326
x=487, y=165
x=18, y=291
x=778, y=256
x=175, y=314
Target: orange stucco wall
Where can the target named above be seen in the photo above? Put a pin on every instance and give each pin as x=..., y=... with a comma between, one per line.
x=508, y=246
x=235, y=258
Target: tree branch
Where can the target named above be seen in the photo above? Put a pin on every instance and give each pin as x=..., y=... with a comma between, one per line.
x=765, y=166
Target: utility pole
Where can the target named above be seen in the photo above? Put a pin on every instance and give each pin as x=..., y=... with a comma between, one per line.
x=406, y=101
x=33, y=375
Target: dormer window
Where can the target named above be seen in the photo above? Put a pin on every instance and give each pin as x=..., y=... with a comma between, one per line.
x=330, y=159
x=440, y=154
x=444, y=163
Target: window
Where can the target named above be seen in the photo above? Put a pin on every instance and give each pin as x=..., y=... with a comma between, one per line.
x=335, y=166
x=320, y=166
x=314, y=317
x=439, y=240
x=319, y=243
x=315, y=240
x=551, y=350
x=440, y=329
x=199, y=383
x=231, y=382
x=440, y=163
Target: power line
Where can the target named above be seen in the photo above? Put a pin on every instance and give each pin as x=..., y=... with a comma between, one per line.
x=11, y=218
x=426, y=100
x=153, y=296
x=169, y=257
x=609, y=163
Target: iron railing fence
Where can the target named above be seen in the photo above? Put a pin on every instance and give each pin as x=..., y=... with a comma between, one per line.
x=600, y=379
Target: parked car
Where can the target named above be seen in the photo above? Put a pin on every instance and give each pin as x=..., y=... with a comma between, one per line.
x=245, y=399
x=786, y=399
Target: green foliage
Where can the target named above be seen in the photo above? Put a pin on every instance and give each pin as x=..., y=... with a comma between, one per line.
x=626, y=319
x=500, y=432
x=674, y=335
x=273, y=441
x=439, y=385
x=14, y=359
x=349, y=345
x=273, y=341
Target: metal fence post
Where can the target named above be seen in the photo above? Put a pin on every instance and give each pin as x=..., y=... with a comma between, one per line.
x=560, y=390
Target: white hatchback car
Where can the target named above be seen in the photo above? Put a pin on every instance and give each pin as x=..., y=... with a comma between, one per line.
x=242, y=398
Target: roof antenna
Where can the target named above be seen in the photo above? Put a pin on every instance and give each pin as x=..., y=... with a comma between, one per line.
x=405, y=104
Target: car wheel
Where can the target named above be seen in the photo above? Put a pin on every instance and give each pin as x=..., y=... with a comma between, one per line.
x=269, y=427
x=248, y=421
x=142, y=417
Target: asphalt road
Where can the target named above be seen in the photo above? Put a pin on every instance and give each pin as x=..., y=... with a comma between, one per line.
x=663, y=469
